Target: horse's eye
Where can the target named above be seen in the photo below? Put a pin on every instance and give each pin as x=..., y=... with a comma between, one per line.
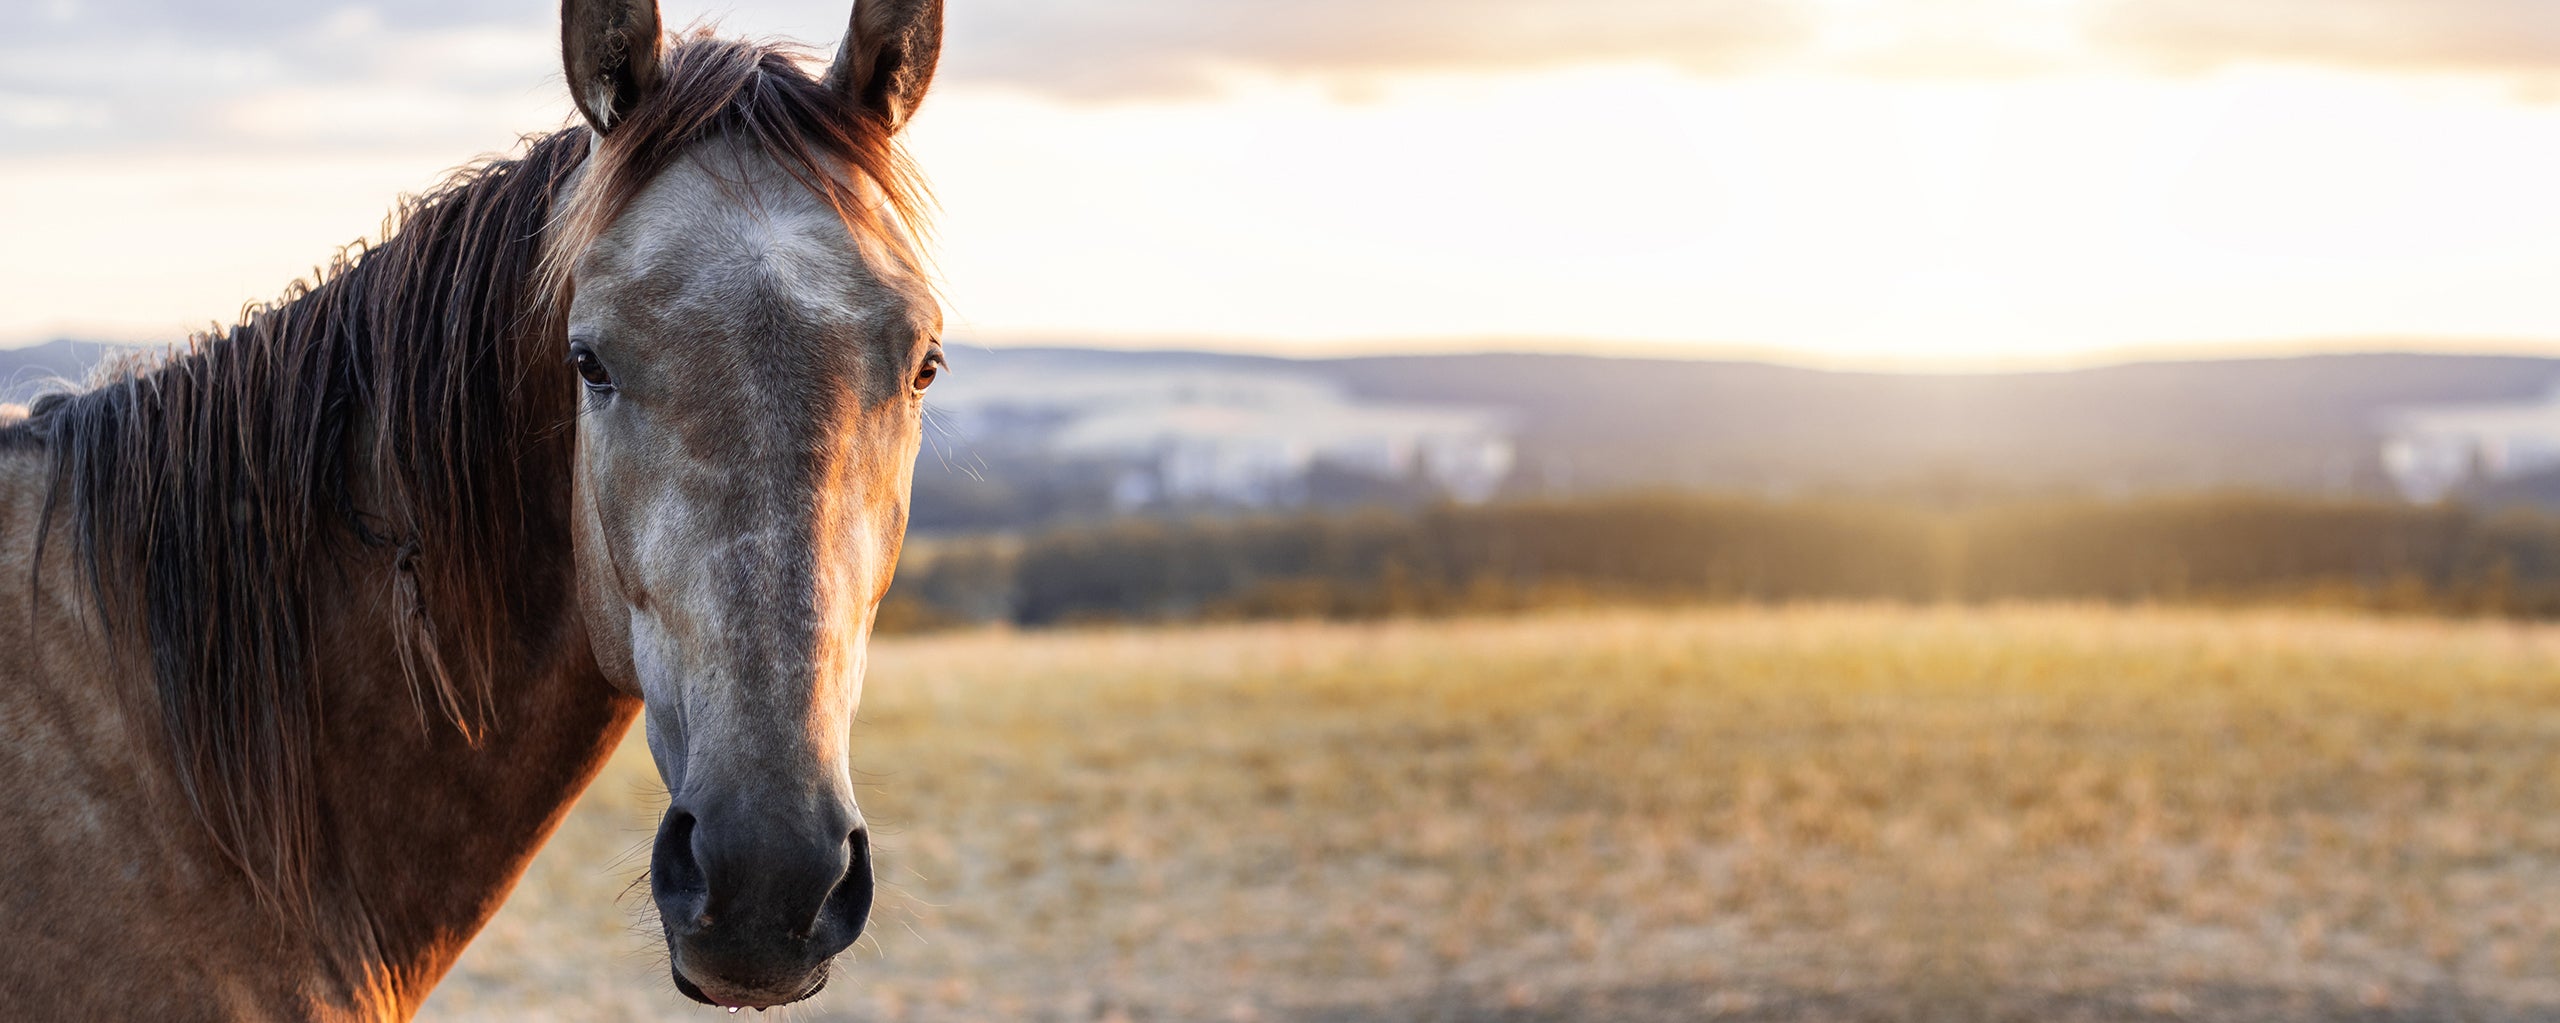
x=590, y=368
x=932, y=368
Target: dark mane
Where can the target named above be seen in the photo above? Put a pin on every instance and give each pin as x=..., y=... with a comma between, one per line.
x=409, y=405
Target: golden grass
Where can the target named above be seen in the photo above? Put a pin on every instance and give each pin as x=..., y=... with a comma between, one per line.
x=1832, y=813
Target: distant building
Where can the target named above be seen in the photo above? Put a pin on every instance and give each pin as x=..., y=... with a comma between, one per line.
x=2433, y=452
x=1187, y=436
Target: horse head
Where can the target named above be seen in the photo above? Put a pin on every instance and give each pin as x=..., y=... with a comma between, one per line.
x=753, y=334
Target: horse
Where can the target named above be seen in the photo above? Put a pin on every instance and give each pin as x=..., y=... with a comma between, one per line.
x=312, y=630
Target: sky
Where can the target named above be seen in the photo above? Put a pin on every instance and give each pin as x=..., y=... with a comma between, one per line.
x=1890, y=182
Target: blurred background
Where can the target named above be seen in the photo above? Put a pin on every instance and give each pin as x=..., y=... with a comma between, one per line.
x=1527, y=510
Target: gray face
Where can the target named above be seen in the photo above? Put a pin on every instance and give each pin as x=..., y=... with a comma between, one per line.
x=745, y=449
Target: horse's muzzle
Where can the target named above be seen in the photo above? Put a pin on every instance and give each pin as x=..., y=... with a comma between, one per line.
x=755, y=906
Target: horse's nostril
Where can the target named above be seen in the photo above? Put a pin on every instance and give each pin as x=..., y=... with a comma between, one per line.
x=848, y=906
x=672, y=865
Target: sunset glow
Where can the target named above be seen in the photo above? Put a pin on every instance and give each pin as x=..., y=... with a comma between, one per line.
x=1879, y=181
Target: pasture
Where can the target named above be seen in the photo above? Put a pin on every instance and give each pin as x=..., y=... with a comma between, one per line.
x=1842, y=813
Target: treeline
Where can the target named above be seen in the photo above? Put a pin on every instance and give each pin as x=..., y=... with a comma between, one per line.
x=1694, y=549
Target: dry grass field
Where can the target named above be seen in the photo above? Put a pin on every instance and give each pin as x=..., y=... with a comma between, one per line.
x=1818, y=814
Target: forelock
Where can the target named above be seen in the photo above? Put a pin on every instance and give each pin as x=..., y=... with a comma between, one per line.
x=757, y=95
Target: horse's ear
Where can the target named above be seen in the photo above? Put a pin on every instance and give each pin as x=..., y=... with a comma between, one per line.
x=610, y=50
x=888, y=57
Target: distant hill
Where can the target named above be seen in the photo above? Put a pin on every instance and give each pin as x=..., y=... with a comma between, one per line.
x=1582, y=424
x=36, y=368
x=2307, y=424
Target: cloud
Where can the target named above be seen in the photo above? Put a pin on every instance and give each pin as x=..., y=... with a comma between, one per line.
x=109, y=75
x=233, y=20
x=1106, y=48
x=105, y=76
x=2490, y=36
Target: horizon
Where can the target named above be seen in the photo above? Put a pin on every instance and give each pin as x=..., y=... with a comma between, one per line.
x=1704, y=353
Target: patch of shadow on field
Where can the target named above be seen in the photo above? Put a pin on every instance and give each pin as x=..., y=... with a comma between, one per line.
x=1685, y=1003
x=2236, y=1003
x=1642, y=1004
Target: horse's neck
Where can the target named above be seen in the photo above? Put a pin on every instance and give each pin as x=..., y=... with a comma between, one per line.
x=428, y=830
x=423, y=831
x=428, y=834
